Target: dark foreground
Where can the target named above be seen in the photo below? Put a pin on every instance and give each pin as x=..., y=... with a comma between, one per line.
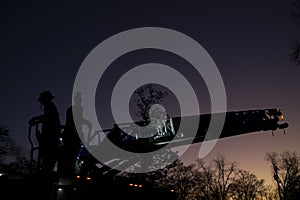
x=36, y=187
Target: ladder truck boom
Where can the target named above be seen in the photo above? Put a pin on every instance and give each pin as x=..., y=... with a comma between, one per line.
x=236, y=123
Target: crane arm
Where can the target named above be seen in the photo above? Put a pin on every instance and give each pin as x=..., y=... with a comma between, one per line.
x=236, y=123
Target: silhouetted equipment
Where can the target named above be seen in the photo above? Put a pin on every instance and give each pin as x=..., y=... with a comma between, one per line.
x=236, y=123
x=128, y=137
x=34, y=147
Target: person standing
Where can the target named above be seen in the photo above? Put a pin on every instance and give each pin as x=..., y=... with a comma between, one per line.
x=72, y=135
x=50, y=132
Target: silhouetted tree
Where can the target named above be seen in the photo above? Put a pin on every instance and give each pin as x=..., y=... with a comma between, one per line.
x=286, y=173
x=19, y=166
x=178, y=178
x=147, y=96
x=247, y=186
x=268, y=193
x=295, y=49
x=218, y=180
x=218, y=177
x=12, y=157
x=155, y=161
x=9, y=150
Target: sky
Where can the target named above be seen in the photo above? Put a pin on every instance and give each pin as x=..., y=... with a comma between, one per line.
x=45, y=43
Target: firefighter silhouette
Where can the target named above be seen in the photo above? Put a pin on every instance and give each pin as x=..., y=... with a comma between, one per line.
x=72, y=135
x=50, y=132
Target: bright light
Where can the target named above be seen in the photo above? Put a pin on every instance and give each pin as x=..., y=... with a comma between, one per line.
x=59, y=189
x=78, y=177
x=172, y=190
x=135, y=185
x=281, y=117
x=88, y=178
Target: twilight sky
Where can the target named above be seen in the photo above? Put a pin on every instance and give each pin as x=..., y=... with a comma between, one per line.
x=46, y=43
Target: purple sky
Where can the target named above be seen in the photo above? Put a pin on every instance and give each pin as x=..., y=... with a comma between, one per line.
x=45, y=44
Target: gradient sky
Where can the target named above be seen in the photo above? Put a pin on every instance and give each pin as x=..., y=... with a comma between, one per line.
x=46, y=42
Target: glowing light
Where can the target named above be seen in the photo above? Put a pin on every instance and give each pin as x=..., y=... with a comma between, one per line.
x=88, y=178
x=281, y=117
